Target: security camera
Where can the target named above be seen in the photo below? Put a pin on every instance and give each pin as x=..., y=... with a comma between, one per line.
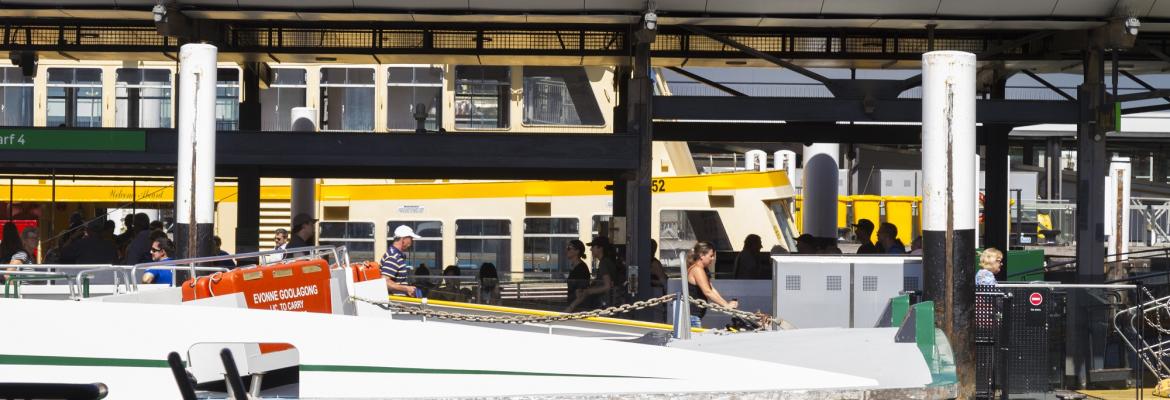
x=160, y=12
x=651, y=20
x=1131, y=26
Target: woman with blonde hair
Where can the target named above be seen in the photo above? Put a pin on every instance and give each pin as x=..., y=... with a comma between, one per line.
x=989, y=263
x=699, y=261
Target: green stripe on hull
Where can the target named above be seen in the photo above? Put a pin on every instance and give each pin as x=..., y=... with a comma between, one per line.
x=401, y=370
x=11, y=359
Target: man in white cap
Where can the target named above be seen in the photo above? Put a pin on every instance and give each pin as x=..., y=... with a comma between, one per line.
x=394, y=267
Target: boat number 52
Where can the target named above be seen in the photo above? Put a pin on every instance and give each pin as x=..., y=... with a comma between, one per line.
x=658, y=185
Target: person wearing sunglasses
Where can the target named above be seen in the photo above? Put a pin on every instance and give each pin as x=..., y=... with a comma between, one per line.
x=160, y=250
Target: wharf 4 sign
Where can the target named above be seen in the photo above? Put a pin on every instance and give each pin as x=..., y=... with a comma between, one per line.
x=78, y=139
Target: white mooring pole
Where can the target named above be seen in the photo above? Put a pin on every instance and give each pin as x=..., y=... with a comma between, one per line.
x=304, y=194
x=948, y=237
x=195, y=179
x=819, y=183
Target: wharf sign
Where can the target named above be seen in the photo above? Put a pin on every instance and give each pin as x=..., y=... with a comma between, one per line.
x=77, y=139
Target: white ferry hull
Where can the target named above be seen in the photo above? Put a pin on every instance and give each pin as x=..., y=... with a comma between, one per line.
x=125, y=345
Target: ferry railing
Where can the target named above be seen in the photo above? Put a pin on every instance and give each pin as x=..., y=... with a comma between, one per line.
x=338, y=254
x=13, y=280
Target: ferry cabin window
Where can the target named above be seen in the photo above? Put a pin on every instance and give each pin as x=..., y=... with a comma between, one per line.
x=679, y=230
x=409, y=86
x=482, y=95
x=426, y=250
x=347, y=99
x=286, y=90
x=357, y=237
x=782, y=214
x=142, y=98
x=16, y=98
x=483, y=240
x=227, y=99
x=544, y=244
x=559, y=96
x=75, y=97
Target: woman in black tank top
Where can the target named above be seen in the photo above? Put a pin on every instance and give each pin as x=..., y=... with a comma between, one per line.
x=702, y=258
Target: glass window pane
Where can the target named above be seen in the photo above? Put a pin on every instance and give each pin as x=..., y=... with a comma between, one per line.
x=560, y=96
x=401, y=105
x=142, y=98
x=680, y=229
x=16, y=98
x=482, y=97
x=288, y=76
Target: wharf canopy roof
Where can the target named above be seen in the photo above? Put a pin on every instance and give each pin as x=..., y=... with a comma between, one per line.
x=880, y=14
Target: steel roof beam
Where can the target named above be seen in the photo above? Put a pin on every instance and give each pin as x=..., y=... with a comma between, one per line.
x=806, y=109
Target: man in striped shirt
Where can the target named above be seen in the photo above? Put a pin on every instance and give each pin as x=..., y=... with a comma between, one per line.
x=394, y=267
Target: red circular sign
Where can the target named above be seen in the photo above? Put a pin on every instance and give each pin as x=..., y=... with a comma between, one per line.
x=1036, y=299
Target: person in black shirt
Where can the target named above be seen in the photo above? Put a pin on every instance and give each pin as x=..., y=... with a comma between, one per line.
x=579, y=272
x=603, y=283
x=489, y=284
x=863, y=229
x=303, y=231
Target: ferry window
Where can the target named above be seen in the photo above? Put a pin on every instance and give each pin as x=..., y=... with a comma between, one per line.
x=544, y=243
x=227, y=99
x=679, y=230
x=143, y=98
x=75, y=97
x=559, y=96
x=409, y=86
x=16, y=98
x=483, y=240
x=347, y=99
x=286, y=90
x=481, y=97
x=357, y=237
x=427, y=250
x=782, y=217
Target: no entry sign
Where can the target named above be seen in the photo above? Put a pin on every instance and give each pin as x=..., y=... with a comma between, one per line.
x=1036, y=298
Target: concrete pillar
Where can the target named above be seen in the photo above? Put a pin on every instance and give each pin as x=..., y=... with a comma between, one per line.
x=948, y=143
x=820, y=190
x=195, y=179
x=304, y=192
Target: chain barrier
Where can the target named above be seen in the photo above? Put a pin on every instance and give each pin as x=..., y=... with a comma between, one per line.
x=762, y=320
x=1157, y=313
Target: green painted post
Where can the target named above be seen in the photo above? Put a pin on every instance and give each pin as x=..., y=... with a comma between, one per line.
x=85, y=287
x=924, y=332
x=899, y=307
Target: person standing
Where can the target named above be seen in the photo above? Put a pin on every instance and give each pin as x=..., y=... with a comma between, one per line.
x=160, y=250
x=139, y=248
x=393, y=263
x=304, y=230
x=579, y=272
x=863, y=230
x=699, y=262
x=604, y=282
x=229, y=264
x=747, y=263
x=888, y=239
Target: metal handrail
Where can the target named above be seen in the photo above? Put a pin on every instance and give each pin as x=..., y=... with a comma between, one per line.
x=339, y=253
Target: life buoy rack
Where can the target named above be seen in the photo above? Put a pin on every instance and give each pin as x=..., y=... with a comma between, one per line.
x=366, y=271
x=297, y=286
